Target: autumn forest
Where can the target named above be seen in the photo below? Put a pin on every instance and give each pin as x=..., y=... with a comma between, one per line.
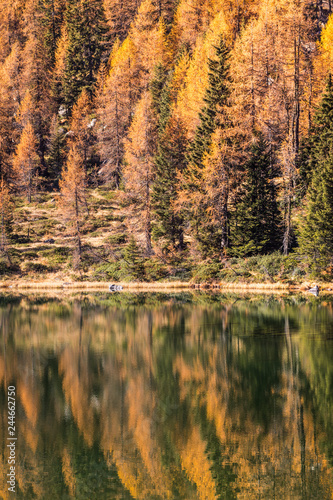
x=166, y=139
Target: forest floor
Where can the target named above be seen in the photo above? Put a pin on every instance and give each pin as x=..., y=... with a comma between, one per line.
x=41, y=254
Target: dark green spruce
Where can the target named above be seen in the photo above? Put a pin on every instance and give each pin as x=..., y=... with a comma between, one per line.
x=87, y=34
x=52, y=14
x=215, y=100
x=256, y=228
x=134, y=261
x=169, y=161
x=316, y=232
x=56, y=157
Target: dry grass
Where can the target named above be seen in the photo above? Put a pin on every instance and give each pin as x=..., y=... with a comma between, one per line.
x=44, y=260
x=255, y=286
x=92, y=285
x=159, y=286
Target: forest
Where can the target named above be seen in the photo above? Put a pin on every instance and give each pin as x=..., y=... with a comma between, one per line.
x=166, y=139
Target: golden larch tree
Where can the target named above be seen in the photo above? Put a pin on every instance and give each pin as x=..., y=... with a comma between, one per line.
x=81, y=125
x=10, y=97
x=26, y=162
x=115, y=103
x=119, y=15
x=73, y=194
x=5, y=215
x=139, y=168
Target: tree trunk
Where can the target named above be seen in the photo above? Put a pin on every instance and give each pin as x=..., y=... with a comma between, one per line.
x=252, y=89
x=148, y=219
x=224, y=215
x=286, y=236
x=310, y=94
x=225, y=228
x=181, y=239
x=296, y=95
x=79, y=246
x=117, y=171
x=3, y=237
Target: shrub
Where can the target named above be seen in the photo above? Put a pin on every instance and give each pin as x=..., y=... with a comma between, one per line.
x=207, y=271
x=155, y=270
x=117, y=239
x=36, y=267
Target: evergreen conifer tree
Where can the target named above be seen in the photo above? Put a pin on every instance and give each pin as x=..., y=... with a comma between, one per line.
x=56, y=152
x=160, y=98
x=316, y=234
x=134, y=260
x=51, y=13
x=87, y=36
x=169, y=160
x=215, y=99
x=256, y=226
x=211, y=159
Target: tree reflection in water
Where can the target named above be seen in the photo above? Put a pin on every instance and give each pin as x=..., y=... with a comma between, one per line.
x=185, y=396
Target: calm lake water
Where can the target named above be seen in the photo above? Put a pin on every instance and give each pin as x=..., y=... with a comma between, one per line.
x=154, y=396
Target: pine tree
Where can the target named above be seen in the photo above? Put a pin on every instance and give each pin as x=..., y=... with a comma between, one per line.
x=51, y=13
x=169, y=162
x=73, y=194
x=256, y=228
x=215, y=99
x=134, y=260
x=170, y=159
x=56, y=152
x=160, y=100
x=26, y=162
x=87, y=35
x=320, y=139
x=316, y=234
x=212, y=156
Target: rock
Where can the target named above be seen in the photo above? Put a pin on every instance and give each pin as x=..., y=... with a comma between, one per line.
x=115, y=288
x=314, y=290
x=50, y=240
x=62, y=111
x=92, y=123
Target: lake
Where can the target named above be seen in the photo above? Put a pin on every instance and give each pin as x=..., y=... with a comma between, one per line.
x=168, y=396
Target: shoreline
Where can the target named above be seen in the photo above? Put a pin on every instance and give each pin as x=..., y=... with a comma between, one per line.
x=162, y=286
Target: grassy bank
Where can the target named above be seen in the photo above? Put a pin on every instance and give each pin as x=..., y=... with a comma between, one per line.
x=41, y=254
x=77, y=286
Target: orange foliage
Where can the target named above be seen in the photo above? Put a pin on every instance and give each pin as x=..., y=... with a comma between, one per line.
x=26, y=162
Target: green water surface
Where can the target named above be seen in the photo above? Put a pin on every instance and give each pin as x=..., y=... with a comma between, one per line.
x=168, y=396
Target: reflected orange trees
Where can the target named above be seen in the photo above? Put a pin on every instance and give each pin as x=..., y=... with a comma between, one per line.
x=187, y=397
